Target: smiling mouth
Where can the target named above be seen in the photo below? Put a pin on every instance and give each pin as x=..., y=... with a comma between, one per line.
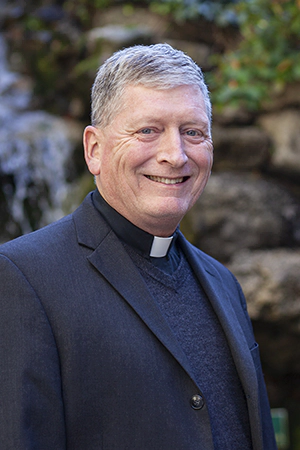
x=167, y=180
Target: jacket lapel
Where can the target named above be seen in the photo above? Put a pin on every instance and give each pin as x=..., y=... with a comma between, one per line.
x=121, y=273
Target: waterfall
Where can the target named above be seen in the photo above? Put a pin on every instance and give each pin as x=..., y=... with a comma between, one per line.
x=34, y=153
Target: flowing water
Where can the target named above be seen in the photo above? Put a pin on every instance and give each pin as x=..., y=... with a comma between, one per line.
x=34, y=155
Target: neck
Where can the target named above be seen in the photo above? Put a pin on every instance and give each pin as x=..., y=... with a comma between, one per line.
x=148, y=244
x=164, y=229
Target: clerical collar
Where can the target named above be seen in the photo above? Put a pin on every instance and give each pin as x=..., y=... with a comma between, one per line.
x=145, y=243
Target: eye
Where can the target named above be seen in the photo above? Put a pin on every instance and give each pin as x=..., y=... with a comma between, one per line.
x=146, y=131
x=194, y=136
x=192, y=133
x=147, y=134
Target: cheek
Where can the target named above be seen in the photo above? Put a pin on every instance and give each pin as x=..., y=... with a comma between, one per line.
x=204, y=165
x=210, y=164
x=119, y=174
x=209, y=154
x=204, y=162
x=108, y=172
x=133, y=162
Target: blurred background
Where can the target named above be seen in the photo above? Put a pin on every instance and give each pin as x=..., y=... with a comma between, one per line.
x=249, y=216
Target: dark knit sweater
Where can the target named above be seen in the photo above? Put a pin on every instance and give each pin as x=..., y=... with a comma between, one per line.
x=193, y=321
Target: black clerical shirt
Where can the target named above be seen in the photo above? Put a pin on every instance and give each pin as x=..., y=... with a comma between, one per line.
x=135, y=237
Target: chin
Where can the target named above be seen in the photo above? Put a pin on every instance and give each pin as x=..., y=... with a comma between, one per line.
x=167, y=213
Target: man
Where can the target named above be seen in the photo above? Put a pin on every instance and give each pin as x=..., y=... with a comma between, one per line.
x=116, y=333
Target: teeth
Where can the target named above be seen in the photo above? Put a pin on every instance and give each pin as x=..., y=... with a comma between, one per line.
x=165, y=180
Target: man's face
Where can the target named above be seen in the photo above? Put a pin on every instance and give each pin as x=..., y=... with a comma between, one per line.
x=154, y=159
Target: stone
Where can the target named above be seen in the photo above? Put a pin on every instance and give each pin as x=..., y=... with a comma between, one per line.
x=283, y=128
x=233, y=116
x=237, y=148
x=287, y=96
x=117, y=35
x=242, y=211
x=132, y=17
x=200, y=53
x=271, y=284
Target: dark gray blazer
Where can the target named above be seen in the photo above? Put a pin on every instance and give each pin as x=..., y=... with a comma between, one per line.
x=87, y=359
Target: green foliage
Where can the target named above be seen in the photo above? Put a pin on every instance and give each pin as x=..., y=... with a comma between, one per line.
x=83, y=10
x=213, y=10
x=52, y=45
x=266, y=59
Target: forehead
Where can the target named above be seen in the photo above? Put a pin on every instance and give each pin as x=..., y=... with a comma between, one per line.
x=148, y=101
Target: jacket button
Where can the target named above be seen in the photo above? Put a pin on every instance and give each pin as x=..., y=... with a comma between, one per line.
x=197, y=401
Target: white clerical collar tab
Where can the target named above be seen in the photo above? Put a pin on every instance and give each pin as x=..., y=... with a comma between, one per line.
x=160, y=246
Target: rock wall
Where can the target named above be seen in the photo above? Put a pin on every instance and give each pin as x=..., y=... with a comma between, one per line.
x=249, y=214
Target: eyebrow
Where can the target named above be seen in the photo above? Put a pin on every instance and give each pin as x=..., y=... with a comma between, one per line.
x=155, y=119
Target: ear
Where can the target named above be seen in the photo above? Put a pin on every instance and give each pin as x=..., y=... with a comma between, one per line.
x=92, y=149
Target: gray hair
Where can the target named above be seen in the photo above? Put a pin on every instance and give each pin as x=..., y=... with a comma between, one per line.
x=157, y=66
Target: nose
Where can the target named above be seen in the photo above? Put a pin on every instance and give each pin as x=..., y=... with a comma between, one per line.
x=171, y=149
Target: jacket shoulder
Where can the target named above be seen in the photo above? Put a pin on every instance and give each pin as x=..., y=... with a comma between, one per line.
x=55, y=237
x=39, y=240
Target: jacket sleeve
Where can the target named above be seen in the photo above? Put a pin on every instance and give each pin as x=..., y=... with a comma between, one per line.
x=31, y=405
